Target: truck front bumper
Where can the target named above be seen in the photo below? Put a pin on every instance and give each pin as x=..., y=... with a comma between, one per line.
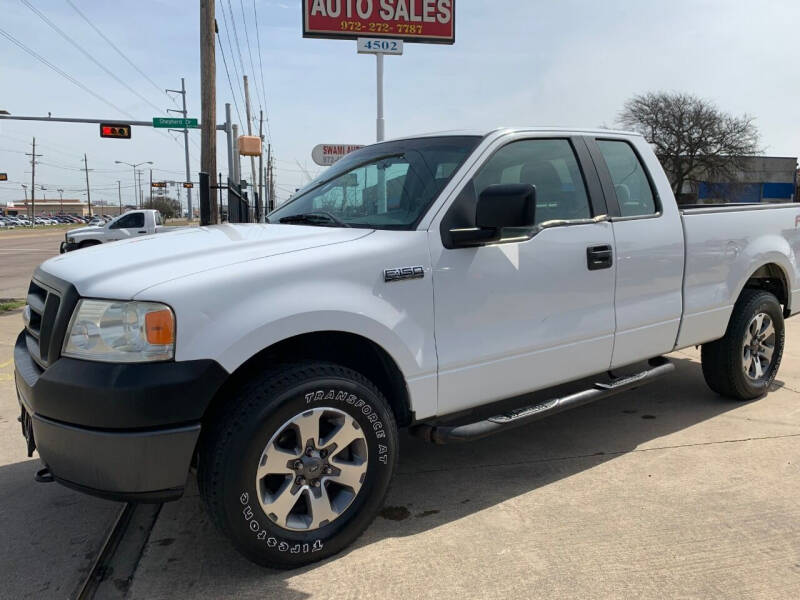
x=119, y=431
x=67, y=247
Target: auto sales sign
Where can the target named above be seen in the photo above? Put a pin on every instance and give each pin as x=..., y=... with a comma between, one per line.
x=427, y=21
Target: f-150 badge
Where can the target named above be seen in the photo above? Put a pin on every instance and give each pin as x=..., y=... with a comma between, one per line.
x=403, y=273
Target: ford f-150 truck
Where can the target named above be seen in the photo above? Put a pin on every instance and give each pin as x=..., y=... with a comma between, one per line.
x=133, y=223
x=434, y=283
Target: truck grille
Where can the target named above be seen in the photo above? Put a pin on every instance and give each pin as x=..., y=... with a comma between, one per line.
x=46, y=319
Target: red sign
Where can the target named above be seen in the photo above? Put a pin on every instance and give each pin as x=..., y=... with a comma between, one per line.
x=429, y=21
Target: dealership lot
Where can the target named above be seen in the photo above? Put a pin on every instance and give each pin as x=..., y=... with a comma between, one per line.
x=664, y=492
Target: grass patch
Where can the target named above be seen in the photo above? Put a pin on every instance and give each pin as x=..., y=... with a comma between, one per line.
x=8, y=305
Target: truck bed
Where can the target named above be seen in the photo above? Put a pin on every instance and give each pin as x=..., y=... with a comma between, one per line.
x=722, y=242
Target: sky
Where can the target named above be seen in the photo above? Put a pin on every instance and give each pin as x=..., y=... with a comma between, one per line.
x=569, y=63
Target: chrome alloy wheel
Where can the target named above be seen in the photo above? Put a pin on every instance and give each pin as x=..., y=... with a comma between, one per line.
x=758, y=346
x=312, y=469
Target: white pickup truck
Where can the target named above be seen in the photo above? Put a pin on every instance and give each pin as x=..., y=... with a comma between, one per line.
x=433, y=282
x=133, y=223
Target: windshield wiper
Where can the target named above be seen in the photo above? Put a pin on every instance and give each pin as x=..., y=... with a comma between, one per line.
x=319, y=217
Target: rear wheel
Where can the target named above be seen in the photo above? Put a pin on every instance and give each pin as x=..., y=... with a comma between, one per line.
x=299, y=464
x=743, y=363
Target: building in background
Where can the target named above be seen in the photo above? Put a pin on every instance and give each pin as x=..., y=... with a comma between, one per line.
x=758, y=179
x=68, y=206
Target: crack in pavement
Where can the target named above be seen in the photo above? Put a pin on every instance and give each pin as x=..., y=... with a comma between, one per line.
x=598, y=454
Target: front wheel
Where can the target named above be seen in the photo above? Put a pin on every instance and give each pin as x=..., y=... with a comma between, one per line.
x=743, y=364
x=299, y=464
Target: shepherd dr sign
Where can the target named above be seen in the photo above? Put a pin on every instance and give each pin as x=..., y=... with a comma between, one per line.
x=427, y=21
x=327, y=154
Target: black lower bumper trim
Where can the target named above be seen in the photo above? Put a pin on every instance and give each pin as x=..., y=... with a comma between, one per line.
x=149, y=465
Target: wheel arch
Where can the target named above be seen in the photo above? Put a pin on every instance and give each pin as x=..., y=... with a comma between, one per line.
x=773, y=278
x=347, y=349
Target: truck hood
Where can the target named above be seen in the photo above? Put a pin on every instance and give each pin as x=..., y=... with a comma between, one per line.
x=82, y=230
x=119, y=270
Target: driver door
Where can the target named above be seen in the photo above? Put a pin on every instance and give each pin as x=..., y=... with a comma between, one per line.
x=534, y=309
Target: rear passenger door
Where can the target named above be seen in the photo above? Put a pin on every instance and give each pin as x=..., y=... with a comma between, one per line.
x=648, y=235
x=536, y=308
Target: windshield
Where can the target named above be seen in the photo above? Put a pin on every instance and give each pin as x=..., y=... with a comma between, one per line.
x=384, y=186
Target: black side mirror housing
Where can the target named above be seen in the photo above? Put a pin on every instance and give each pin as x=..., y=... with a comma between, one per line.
x=499, y=206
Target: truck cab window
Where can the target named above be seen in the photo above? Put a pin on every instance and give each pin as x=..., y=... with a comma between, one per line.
x=549, y=165
x=634, y=194
x=129, y=221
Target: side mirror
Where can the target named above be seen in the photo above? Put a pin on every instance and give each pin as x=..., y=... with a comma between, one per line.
x=499, y=206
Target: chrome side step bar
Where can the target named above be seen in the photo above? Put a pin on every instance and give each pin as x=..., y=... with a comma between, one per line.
x=443, y=434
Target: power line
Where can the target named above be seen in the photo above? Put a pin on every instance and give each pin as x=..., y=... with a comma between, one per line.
x=65, y=75
x=230, y=84
x=110, y=73
x=261, y=68
x=233, y=57
x=120, y=52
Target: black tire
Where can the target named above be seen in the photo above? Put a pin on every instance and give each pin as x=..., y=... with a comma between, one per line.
x=230, y=453
x=723, y=359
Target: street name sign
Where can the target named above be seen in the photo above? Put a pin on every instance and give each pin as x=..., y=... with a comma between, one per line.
x=175, y=122
x=159, y=184
x=379, y=46
x=425, y=21
x=327, y=154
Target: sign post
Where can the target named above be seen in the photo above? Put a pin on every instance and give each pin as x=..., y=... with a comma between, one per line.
x=387, y=23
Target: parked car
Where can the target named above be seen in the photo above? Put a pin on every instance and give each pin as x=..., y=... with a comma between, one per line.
x=131, y=224
x=6, y=224
x=425, y=283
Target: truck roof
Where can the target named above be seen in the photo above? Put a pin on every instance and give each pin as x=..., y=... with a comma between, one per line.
x=535, y=129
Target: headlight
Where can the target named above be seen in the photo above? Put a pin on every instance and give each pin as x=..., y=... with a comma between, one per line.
x=111, y=331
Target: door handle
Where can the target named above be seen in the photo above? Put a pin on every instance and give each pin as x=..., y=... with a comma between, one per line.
x=599, y=257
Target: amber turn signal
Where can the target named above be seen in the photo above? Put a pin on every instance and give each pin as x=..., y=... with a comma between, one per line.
x=160, y=327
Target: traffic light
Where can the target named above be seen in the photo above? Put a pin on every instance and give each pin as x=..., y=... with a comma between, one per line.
x=188, y=185
x=4, y=177
x=115, y=131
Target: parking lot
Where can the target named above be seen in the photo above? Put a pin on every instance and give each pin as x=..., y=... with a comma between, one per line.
x=668, y=491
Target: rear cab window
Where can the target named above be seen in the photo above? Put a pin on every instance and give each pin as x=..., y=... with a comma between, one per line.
x=631, y=183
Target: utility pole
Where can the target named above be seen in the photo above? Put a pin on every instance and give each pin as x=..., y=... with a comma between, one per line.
x=141, y=192
x=119, y=194
x=61, y=195
x=260, y=199
x=249, y=130
x=88, y=191
x=208, y=100
x=185, y=143
x=33, y=156
x=151, y=184
x=270, y=205
x=272, y=181
x=381, y=124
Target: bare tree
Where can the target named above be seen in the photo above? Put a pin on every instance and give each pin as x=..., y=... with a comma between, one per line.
x=692, y=137
x=168, y=207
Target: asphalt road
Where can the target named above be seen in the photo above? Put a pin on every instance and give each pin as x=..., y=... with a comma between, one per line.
x=20, y=253
x=665, y=492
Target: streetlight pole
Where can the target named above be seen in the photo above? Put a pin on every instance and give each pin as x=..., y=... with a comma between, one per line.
x=133, y=166
x=61, y=194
